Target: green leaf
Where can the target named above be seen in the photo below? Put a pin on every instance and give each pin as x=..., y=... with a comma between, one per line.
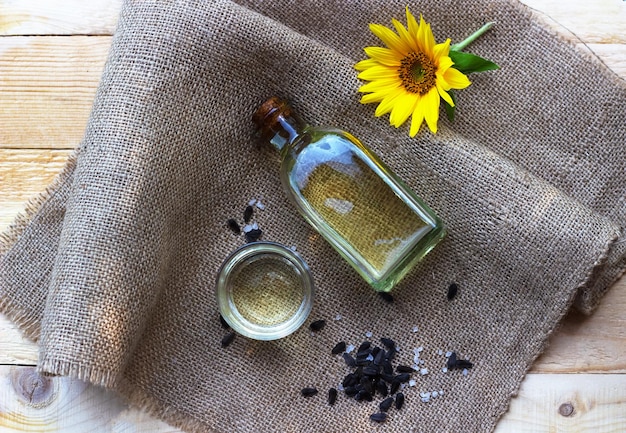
x=449, y=108
x=468, y=63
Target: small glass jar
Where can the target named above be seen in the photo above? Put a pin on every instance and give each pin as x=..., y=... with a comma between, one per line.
x=264, y=290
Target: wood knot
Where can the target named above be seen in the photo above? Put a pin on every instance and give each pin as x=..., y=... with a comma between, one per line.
x=566, y=409
x=33, y=388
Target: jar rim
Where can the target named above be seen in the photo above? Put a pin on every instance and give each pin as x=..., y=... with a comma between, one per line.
x=243, y=257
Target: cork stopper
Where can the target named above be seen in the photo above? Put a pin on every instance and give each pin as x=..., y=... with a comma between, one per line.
x=266, y=116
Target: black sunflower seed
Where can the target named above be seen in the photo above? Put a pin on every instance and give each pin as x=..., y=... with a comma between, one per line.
x=350, y=391
x=228, y=339
x=378, y=417
x=381, y=387
x=339, y=348
x=386, y=296
x=385, y=404
x=253, y=235
x=387, y=377
x=463, y=363
x=379, y=358
x=371, y=370
x=388, y=343
x=364, y=346
x=332, y=396
x=387, y=367
x=308, y=392
x=350, y=361
x=402, y=377
x=405, y=369
x=234, y=226
x=399, y=400
x=395, y=386
x=247, y=214
x=317, y=325
x=363, y=395
x=451, y=363
x=453, y=288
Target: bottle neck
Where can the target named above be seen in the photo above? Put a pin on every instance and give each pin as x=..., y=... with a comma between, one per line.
x=286, y=130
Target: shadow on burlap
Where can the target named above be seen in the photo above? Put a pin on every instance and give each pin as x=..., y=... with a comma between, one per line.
x=113, y=270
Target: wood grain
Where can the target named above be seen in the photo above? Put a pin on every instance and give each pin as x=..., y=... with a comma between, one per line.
x=32, y=403
x=58, y=17
x=47, y=87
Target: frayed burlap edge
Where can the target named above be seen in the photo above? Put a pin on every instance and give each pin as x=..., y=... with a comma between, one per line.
x=29, y=325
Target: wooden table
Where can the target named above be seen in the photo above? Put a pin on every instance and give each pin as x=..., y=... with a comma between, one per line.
x=52, y=53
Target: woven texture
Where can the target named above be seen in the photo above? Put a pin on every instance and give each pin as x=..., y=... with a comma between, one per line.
x=113, y=270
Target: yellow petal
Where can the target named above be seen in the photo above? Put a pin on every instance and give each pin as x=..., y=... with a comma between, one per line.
x=411, y=23
x=431, y=109
x=404, y=105
x=388, y=37
x=456, y=79
x=380, y=85
x=373, y=97
x=409, y=41
x=444, y=94
x=383, y=55
x=378, y=72
x=416, y=119
x=441, y=50
x=386, y=105
x=425, y=37
x=364, y=64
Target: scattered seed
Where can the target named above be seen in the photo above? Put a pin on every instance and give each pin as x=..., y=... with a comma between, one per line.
x=386, y=296
x=317, y=325
x=350, y=361
x=308, y=392
x=247, y=214
x=388, y=343
x=253, y=235
x=339, y=348
x=451, y=363
x=395, y=386
x=463, y=363
x=332, y=396
x=228, y=339
x=234, y=226
x=399, y=400
x=404, y=369
x=378, y=417
x=452, y=291
x=382, y=389
x=402, y=377
x=385, y=404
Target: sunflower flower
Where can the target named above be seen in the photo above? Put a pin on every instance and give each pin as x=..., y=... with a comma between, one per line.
x=412, y=74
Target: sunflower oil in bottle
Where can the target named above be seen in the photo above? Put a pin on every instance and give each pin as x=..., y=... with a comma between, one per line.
x=350, y=196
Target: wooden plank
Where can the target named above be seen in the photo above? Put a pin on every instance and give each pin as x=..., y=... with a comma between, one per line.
x=24, y=174
x=594, y=344
x=600, y=21
x=47, y=87
x=30, y=402
x=603, y=21
x=58, y=17
x=546, y=403
x=567, y=403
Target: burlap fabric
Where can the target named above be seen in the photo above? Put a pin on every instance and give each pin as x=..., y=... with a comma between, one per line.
x=112, y=272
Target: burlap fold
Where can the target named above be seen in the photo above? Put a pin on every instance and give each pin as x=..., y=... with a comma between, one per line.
x=112, y=271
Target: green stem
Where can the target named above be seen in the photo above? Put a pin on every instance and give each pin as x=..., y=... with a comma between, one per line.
x=471, y=38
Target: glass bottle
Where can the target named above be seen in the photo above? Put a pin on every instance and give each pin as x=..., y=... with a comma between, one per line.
x=350, y=196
